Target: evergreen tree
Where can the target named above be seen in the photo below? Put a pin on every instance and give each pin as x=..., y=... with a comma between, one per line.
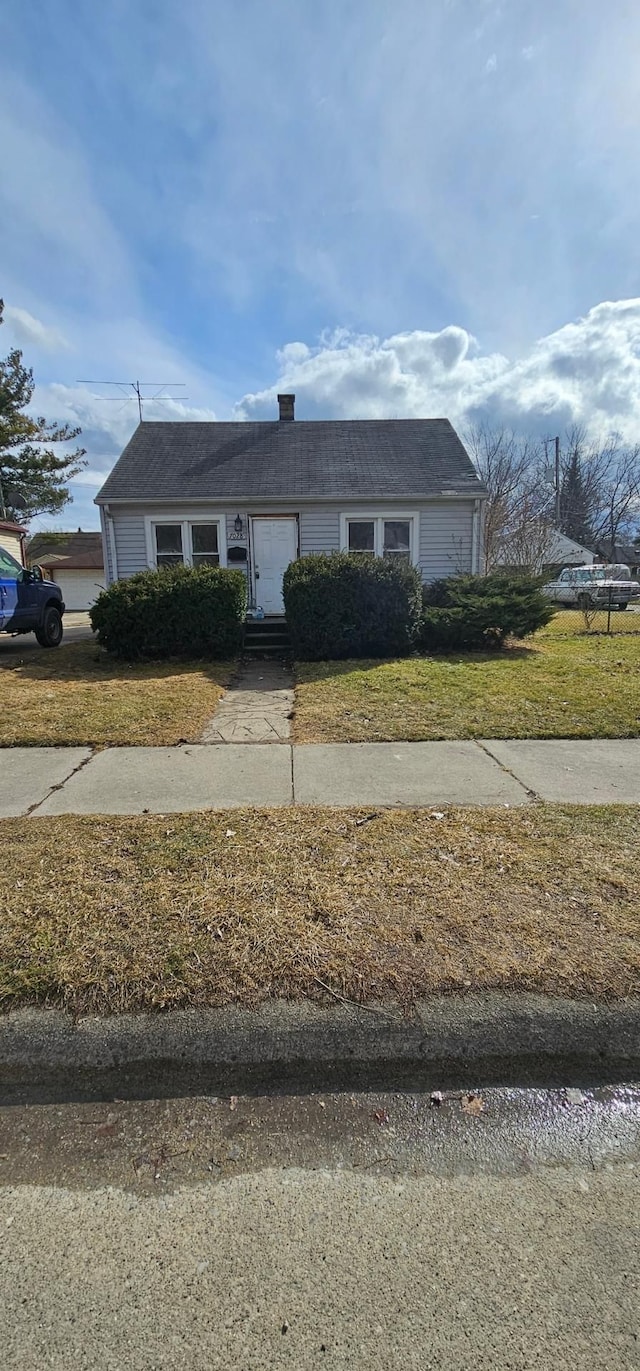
x=33, y=478
x=576, y=503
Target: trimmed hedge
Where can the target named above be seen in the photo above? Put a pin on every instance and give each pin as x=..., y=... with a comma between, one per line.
x=173, y=612
x=479, y=612
x=339, y=605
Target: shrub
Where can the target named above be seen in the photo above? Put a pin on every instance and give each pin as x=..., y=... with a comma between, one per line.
x=173, y=612
x=339, y=605
x=479, y=612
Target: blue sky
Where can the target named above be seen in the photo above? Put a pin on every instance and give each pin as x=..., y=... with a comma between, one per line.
x=417, y=207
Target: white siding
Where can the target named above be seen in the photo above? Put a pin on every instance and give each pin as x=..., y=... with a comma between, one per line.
x=445, y=543
x=12, y=544
x=131, y=547
x=319, y=529
x=446, y=532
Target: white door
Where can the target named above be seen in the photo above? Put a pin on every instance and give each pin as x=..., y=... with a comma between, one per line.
x=80, y=589
x=275, y=545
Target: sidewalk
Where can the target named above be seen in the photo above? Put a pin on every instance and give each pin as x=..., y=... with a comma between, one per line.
x=160, y=780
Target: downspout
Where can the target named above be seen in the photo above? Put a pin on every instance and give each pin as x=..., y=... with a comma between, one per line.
x=111, y=535
x=475, y=539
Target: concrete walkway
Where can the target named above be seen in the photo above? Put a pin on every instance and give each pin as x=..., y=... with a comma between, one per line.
x=158, y=780
x=256, y=708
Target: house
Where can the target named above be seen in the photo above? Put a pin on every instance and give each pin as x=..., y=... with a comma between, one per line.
x=620, y=554
x=12, y=539
x=257, y=495
x=564, y=551
x=74, y=561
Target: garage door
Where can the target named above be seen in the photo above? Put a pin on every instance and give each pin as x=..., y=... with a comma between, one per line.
x=80, y=589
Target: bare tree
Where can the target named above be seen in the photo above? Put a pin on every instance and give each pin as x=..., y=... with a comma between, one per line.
x=599, y=493
x=607, y=474
x=517, y=520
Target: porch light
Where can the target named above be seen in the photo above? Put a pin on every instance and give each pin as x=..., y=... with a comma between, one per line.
x=237, y=523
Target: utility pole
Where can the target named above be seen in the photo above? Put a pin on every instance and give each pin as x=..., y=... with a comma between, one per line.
x=557, y=482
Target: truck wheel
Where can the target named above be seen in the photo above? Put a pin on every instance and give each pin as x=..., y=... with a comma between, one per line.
x=623, y=606
x=49, y=634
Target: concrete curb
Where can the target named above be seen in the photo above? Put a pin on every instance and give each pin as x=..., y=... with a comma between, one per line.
x=450, y=1041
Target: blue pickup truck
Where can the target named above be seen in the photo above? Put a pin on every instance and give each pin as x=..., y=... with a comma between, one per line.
x=29, y=603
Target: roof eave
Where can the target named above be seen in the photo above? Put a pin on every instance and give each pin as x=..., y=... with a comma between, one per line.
x=474, y=493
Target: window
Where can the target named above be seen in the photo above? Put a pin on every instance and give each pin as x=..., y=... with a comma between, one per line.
x=392, y=535
x=396, y=540
x=193, y=541
x=169, y=544
x=204, y=545
x=362, y=535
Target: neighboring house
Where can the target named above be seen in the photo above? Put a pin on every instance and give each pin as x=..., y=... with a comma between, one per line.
x=620, y=554
x=563, y=551
x=12, y=539
x=74, y=561
x=258, y=495
x=539, y=548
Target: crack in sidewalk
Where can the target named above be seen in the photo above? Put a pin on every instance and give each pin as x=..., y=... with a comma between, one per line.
x=533, y=794
x=60, y=784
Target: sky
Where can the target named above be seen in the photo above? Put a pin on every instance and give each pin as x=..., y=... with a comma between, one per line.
x=391, y=207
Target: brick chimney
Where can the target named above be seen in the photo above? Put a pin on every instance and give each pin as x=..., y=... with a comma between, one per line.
x=286, y=403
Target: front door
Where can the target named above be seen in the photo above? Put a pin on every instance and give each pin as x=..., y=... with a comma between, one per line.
x=275, y=545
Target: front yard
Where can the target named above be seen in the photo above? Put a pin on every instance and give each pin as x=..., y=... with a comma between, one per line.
x=551, y=686
x=77, y=694
x=246, y=905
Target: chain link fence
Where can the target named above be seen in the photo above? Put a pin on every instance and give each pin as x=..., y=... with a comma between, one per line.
x=608, y=618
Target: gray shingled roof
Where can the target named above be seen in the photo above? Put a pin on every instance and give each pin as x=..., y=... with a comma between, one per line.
x=301, y=459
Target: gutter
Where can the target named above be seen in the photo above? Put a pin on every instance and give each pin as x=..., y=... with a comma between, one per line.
x=277, y=501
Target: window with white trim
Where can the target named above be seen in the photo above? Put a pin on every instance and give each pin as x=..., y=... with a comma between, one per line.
x=168, y=544
x=205, y=547
x=194, y=542
x=396, y=539
x=361, y=536
x=394, y=536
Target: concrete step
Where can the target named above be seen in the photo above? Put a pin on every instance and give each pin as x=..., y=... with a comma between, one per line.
x=266, y=638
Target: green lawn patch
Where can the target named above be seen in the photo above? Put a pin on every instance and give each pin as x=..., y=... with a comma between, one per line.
x=558, y=686
x=77, y=695
x=114, y=914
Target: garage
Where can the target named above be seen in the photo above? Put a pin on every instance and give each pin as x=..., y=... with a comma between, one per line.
x=80, y=589
x=74, y=561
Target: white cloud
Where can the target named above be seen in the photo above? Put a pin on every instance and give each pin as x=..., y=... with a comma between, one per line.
x=586, y=372
x=491, y=64
x=28, y=330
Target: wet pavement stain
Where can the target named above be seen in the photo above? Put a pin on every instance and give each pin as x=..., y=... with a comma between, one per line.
x=148, y=1145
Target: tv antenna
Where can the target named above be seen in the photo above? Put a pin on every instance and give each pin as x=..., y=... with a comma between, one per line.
x=136, y=387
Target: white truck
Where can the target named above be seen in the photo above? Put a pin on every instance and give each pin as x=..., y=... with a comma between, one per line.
x=594, y=587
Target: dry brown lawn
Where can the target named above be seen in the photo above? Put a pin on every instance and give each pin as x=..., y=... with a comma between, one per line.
x=208, y=909
x=77, y=695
